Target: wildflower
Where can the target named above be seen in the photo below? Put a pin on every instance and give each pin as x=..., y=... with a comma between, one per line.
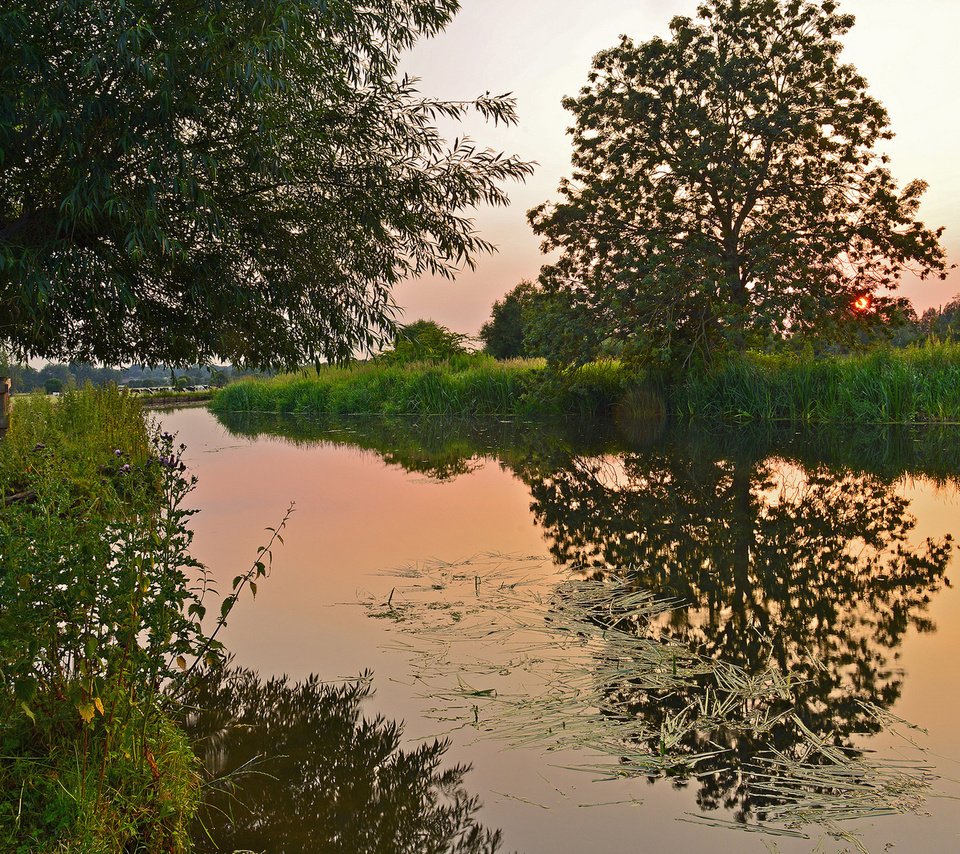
x=117, y=452
x=125, y=468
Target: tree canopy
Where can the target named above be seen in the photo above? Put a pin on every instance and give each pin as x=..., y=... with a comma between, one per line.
x=727, y=188
x=182, y=181
x=503, y=335
x=425, y=341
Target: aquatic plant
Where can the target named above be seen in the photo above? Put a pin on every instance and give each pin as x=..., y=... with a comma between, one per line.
x=885, y=385
x=589, y=670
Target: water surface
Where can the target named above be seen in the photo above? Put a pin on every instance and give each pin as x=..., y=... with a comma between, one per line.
x=822, y=558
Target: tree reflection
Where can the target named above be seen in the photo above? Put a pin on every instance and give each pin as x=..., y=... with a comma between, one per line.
x=784, y=548
x=317, y=776
x=809, y=567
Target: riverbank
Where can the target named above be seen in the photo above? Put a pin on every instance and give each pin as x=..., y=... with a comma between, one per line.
x=885, y=386
x=95, y=614
x=477, y=385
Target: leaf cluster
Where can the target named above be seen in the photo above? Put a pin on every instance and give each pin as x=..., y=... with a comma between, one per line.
x=180, y=181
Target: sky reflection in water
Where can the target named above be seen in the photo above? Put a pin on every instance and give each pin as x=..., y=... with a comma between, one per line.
x=805, y=552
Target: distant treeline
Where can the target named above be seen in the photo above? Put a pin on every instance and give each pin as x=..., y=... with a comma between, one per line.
x=53, y=378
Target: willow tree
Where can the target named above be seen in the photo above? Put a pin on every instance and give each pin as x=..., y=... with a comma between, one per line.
x=184, y=180
x=728, y=188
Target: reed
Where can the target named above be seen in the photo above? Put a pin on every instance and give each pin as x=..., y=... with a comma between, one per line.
x=885, y=386
x=472, y=385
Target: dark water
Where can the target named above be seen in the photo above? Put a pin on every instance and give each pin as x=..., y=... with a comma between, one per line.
x=492, y=577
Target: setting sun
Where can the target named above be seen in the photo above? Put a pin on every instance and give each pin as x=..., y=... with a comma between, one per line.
x=862, y=304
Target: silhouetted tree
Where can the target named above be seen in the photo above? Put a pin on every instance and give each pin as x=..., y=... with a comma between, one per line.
x=727, y=190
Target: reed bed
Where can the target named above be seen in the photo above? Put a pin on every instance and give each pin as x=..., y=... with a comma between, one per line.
x=888, y=386
x=476, y=385
x=505, y=646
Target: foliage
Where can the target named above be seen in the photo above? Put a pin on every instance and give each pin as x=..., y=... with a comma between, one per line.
x=726, y=189
x=477, y=385
x=70, y=789
x=885, y=385
x=295, y=767
x=425, y=341
x=504, y=335
x=102, y=614
x=95, y=599
x=942, y=323
x=184, y=180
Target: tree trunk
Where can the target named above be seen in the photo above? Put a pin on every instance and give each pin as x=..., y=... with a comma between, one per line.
x=5, y=386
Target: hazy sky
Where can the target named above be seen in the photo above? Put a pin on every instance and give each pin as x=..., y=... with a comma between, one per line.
x=541, y=50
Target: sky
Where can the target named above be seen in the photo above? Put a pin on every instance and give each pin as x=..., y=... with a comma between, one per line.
x=541, y=50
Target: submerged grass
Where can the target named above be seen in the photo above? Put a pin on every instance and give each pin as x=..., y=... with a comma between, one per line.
x=516, y=653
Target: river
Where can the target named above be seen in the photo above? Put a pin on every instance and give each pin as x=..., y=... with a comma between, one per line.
x=628, y=632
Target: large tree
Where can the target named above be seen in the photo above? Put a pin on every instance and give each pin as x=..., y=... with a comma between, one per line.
x=183, y=180
x=727, y=187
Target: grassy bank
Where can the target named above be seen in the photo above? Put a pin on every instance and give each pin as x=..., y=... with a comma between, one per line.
x=888, y=386
x=476, y=385
x=95, y=592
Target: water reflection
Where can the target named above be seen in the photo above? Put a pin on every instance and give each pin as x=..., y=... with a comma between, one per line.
x=298, y=768
x=787, y=549
x=808, y=566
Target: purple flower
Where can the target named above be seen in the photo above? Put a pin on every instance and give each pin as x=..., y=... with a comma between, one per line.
x=118, y=453
x=125, y=468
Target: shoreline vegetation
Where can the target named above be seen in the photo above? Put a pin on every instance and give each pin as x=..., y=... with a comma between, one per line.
x=119, y=715
x=95, y=595
x=917, y=384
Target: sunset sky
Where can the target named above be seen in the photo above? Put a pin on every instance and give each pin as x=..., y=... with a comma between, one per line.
x=541, y=50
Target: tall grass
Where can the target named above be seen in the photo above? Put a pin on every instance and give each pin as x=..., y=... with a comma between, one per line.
x=95, y=587
x=477, y=385
x=886, y=386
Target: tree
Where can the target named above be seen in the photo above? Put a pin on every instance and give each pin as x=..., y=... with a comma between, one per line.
x=503, y=334
x=188, y=180
x=942, y=323
x=425, y=341
x=727, y=190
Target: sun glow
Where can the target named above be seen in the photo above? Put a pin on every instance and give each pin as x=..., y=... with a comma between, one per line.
x=862, y=304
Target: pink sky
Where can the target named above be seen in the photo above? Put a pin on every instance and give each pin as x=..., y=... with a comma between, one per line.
x=541, y=50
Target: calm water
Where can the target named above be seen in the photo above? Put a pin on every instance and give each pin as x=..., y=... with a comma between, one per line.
x=493, y=576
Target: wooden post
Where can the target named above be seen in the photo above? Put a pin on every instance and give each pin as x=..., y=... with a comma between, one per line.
x=5, y=386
